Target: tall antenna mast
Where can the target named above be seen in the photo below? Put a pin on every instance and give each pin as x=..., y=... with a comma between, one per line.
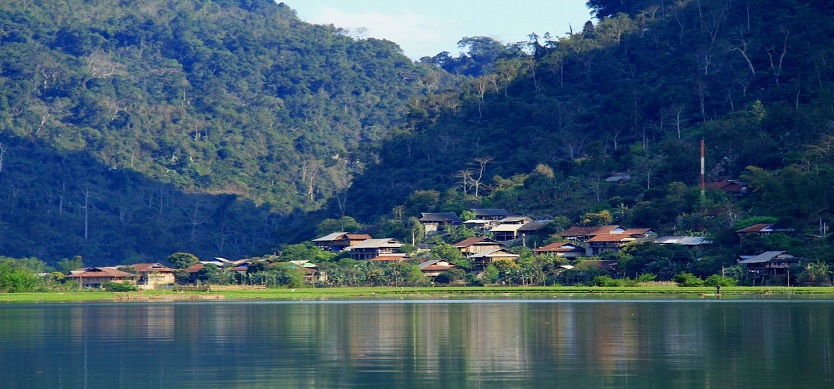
x=702, y=182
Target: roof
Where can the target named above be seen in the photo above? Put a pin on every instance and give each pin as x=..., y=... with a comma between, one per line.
x=588, y=230
x=494, y=253
x=515, y=219
x=148, y=267
x=330, y=237
x=682, y=240
x=442, y=217
x=377, y=243
x=769, y=256
x=390, y=258
x=535, y=226
x=101, y=272
x=489, y=212
x=475, y=240
x=727, y=185
x=506, y=227
x=558, y=247
x=610, y=238
x=340, y=236
x=637, y=231
x=436, y=265
x=764, y=227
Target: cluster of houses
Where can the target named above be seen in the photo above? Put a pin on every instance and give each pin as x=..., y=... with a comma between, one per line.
x=495, y=229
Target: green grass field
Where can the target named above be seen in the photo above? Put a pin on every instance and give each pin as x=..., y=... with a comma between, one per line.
x=256, y=294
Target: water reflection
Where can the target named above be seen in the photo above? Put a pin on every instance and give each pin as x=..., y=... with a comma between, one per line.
x=565, y=343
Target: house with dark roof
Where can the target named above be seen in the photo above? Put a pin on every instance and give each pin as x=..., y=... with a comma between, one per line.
x=768, y=262
x=339, y=241
x=373, y=248
x=561, y=249
x=583, y=233
x=433, y=222
x=483, y=258
x=490, y=213
x=733, y=188
x=477, y=244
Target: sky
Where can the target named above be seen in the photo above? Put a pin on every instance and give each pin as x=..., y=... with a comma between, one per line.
x=428, y=27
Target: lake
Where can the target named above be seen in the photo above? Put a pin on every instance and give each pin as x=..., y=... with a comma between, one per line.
x=501, y=343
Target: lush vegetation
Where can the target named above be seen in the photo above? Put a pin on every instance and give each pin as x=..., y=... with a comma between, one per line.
x=130, y=130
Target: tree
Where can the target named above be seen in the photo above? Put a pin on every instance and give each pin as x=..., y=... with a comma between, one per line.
x=67, y=265
x=181, y=260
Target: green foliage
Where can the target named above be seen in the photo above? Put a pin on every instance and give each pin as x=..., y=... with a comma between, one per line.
x=815, y=274
x=688, y=279
x=124, y=286
x=17, y=278
x=719, y=280
x=67, y=265
x=182, y=260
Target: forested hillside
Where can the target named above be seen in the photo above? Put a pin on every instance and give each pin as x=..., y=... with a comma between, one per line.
x=631, y=95
x=132, y=129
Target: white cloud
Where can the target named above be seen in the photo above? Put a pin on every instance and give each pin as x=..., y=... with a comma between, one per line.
x=415, y=34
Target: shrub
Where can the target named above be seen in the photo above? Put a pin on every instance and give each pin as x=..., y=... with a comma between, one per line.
x=718, y=280
x=123, y=286
x=688, y=279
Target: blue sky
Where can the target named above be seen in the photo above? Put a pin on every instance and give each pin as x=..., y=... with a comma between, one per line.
x=427, y=27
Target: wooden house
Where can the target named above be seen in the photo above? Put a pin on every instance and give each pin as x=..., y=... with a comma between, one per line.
x=95, y=277
x=153, y=275
x=433, y=222
x=483, y=258
x=561, y=249
x=339, y=241
x=477, y=244
x=372, y=248
x=433, y=267
x=490, y=213
x=768, y=262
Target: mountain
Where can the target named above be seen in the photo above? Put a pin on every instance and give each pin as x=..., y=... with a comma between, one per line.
x=133, y=129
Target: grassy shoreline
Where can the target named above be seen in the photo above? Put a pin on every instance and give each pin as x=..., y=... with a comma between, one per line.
x=220, y=293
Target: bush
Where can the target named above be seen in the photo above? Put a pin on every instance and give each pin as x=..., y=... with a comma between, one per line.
x=718, y=280
x=123, y=286
x=688, y=279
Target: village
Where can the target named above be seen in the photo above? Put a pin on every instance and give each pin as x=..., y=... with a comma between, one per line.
x=493, y=255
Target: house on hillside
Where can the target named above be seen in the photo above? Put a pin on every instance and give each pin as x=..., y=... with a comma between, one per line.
x=310, y=270
x=490, y=213
x=768, y=262
x=764, y=229
x=561, y=249
x=477, y=244
x=433, y=267
x=583, y=233
x=483, y=258
x=606, y=242
x=433, y=222
x=153, y=275
x=373, y=248
x=95, y=277
x=339, y=241
x=734, y=188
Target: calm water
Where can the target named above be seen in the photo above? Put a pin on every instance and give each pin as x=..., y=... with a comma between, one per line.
x=416, y=344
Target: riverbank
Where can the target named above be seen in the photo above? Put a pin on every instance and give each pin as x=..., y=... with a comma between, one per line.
x=236, y=293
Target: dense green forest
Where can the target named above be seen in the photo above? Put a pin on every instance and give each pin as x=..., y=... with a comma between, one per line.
x=135, y=129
